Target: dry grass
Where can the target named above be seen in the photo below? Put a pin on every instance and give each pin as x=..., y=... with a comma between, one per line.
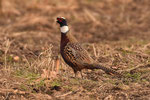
x=115, y=32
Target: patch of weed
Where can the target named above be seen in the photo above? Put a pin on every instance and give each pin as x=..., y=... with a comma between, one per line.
x=75, y=81
x=67, y=88
x=132, y=78
x=26, y=74
x=40, y=83
x=111, y=81
x=23, y=87
x=55, y=83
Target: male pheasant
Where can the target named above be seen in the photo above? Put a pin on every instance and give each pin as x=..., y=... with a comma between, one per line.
x=74, y=54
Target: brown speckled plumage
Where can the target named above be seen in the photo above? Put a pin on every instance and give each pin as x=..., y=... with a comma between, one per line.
x=77, y=57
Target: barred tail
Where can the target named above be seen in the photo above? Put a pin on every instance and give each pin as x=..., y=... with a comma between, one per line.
x=107, y=70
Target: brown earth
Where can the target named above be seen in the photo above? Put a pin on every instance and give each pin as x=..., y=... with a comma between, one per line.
x=115, y=32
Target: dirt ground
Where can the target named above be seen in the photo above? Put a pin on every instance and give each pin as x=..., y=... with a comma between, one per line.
x=116, y=33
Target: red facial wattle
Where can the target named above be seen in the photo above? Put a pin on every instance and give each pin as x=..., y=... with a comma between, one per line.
x=60, y=19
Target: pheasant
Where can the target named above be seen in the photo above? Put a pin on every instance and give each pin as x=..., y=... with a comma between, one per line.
x=74, y=54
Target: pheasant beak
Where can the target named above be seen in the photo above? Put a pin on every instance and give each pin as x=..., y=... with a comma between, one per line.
x=57, y=20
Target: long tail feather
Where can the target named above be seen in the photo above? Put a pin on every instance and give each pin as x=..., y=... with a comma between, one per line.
x=107, y=70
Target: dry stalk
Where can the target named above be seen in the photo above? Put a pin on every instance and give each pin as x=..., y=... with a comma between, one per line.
x=6, y=44
x=57, y=64
x=96, y=51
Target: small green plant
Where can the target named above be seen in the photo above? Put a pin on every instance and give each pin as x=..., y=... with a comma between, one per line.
x=147, y=51
x=40, y=83
x=112, y=81
x=31, y=75
x=133, y=77
x=56, y=83
x=74, y=81
x=1, y=52
x=19, y=73
x=26, y=74
x=23, y=87
x=67, y=88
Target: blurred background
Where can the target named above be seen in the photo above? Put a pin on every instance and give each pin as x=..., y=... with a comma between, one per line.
x=92, y=20
x=115, y=32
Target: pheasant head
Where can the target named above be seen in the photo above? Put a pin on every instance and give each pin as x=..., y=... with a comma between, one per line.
x=63, y=24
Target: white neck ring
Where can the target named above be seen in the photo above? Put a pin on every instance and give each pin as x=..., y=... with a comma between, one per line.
x=64, y=29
